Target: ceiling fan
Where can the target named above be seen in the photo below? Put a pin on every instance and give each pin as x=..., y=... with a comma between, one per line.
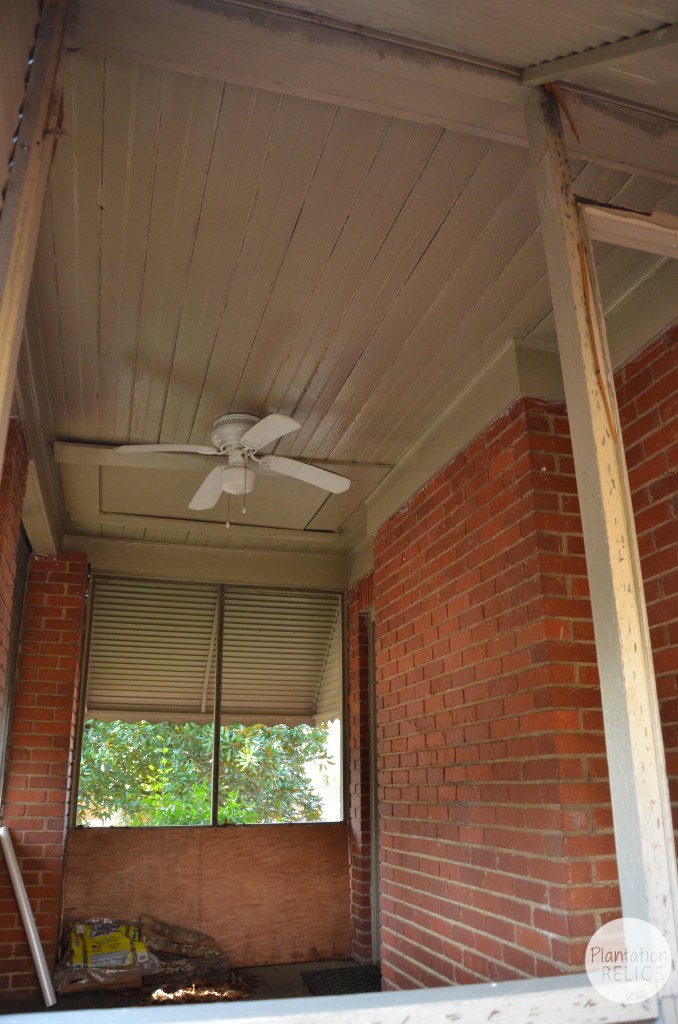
x=238, y=438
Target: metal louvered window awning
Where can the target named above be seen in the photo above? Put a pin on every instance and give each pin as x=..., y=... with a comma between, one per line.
x=153, y=653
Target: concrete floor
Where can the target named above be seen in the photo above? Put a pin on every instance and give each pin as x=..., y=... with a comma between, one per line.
x=281, y=981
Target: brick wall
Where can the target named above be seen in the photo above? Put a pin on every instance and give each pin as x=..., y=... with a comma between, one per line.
x=358, y=731
x=497, y=852
x=39, y=761
x=496, y=836
x=647, y=390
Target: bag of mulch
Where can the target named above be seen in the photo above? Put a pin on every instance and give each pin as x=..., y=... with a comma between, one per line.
x=102, y=953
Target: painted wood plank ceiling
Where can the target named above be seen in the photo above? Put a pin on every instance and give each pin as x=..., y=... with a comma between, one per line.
x=516, y=34
x=210, y=247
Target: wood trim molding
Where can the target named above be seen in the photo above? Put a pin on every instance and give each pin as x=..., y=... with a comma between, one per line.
x=188, y=562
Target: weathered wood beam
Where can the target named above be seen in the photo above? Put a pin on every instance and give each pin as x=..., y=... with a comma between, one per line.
x=640, y=801
x=21, y=213
x=35, y=518
x=597, y=56
x=650, y=232
x=268, y=51
x=565, y=1000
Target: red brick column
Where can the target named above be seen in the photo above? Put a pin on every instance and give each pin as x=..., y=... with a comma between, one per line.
x=359, y=600
x=497, y=847
x=12, y=490
x=647, y=391
x=39, y=764
x=497, y=856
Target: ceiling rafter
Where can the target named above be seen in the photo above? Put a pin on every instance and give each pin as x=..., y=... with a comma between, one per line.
x=650, y=232
x=600, y=56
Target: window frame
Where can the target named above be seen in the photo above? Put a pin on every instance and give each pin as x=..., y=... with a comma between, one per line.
x=222, y=589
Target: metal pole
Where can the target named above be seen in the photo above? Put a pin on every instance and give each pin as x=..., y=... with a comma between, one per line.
x=216, y=749
x=37, y=951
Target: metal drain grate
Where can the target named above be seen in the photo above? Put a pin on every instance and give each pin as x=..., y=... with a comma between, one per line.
x=343, y=981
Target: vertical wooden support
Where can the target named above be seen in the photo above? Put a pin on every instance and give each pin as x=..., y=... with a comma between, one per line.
x=640, y=799
x=20, y=220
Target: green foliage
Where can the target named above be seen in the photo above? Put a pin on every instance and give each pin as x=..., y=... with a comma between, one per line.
x=161, y=773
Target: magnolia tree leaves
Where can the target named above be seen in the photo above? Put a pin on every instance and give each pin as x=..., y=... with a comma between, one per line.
x=160, y=773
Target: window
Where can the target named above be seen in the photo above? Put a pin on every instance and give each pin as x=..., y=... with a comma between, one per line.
x=169, y=661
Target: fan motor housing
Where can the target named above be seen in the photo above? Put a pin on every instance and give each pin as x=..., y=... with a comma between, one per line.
x=227, y=430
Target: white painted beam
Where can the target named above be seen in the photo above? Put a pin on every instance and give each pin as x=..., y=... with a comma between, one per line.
x=650, y=232
x=597, y=56
x=267, y=51
x=20, y=220
x=313, y=538
x=35, y=518
x=219, y=565
x=75, y=453
x=640, y=801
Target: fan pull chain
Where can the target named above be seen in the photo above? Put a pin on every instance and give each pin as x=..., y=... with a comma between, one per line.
x=228, y=511
x=244, y=483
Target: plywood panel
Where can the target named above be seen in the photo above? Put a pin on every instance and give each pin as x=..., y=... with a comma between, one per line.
x=269, y=894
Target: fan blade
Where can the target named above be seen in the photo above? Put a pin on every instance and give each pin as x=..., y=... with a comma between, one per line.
x=269, y=429
x=209, y=491
x=310, y=474
x=148, y=449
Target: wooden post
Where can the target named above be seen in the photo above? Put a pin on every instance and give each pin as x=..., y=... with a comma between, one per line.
x=640, y=800
x=20, y=219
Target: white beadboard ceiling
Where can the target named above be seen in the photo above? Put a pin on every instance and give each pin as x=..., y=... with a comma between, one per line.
x=237, y=221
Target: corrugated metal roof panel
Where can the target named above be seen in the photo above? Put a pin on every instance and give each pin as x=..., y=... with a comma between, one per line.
x=152, y=652
x=328, y=705
x=152, y=646
x=275, y=649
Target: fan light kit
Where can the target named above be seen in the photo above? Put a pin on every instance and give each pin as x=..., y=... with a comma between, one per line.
x=238, y=437
x=237, y=481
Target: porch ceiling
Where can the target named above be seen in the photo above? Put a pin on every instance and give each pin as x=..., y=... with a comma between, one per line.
x=253, y=213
